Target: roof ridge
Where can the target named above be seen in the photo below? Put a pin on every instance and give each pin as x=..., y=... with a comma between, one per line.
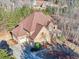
x=32, y=19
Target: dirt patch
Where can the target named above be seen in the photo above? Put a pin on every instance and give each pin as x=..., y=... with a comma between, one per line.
x=5, y=36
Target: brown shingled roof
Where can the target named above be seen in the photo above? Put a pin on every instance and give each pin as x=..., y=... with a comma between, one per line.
x=37, y=30
x=18, y=31
x=30, y=23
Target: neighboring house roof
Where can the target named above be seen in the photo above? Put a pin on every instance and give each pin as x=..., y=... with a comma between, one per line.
x=32, y=23
x=39, y=2
x=43, y=3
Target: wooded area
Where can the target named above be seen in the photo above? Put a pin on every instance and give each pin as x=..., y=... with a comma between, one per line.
x=9, y=19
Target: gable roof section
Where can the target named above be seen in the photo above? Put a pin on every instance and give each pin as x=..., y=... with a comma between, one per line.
x=18, y=31
x=31, y=24
x=39, y=2
x=37, y=30
x=27, y=22
x=31, y=21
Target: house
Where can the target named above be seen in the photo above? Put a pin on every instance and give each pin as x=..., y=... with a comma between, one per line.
x=33, y=28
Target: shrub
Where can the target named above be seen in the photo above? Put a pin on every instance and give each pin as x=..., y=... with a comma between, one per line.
x=37, y=45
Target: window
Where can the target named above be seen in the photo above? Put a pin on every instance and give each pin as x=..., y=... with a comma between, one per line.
x=54, y=27
x=42, y=33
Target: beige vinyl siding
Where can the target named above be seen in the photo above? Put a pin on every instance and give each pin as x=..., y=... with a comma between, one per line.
x=42, y=38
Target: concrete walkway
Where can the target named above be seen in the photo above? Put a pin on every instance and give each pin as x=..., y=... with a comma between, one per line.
x=72, y=46
x=17, y=50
